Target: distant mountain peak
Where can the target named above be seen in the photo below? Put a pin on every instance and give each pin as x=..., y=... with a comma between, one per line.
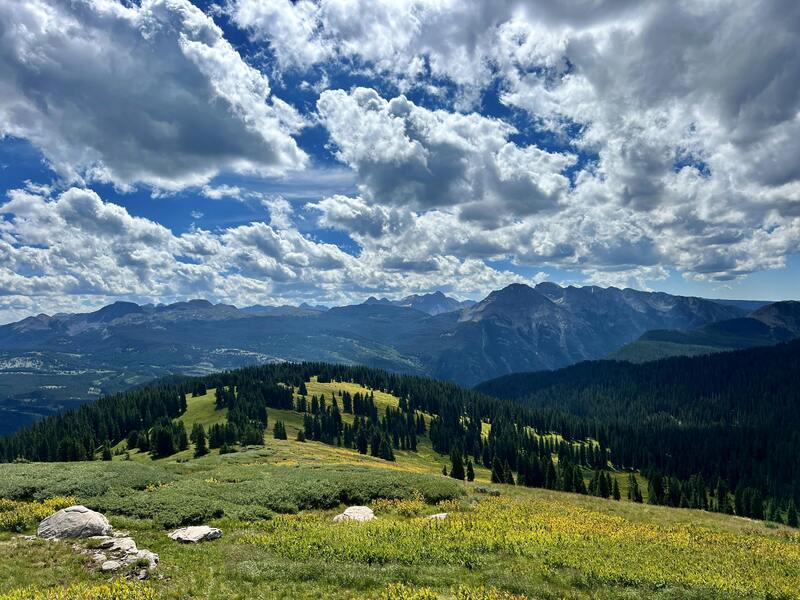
x=784, y=314
x=433, y=303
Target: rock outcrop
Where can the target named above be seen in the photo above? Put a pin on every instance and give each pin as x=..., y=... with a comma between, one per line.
x=74, y=522
x=195, y=534
x=118, y=552
x=355, y=513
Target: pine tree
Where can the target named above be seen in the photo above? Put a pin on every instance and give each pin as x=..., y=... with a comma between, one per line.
x=655, y=490
x=457, y=465
x=106, y=450
x=279, y=430
x=615, y=490
x=302, y=391
x=497, y=471
x=791, y=514
x=508, y=476
x=634, y=493
x=577, y=481
x=773, y=511
x=385, y=449
x=470, y=471
x=301, y=437
x=444, y=470
x=183, y=439
x=199, y=439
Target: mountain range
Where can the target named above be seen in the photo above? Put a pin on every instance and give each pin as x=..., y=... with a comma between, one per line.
x=50, y=362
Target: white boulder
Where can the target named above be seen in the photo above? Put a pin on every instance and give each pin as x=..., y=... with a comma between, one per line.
x=73, y=522
x=438, y=516
x=111, y=565
x=355, y=513
x=195, y=534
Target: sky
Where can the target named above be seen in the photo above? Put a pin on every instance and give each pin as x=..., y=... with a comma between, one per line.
x=270, y=152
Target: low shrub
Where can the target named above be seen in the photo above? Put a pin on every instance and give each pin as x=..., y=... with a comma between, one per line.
x=19, y=516
x=117, y=590
x=40, y=481
x=244, y=492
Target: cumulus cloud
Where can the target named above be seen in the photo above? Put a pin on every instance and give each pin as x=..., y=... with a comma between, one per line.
x=150, y=92
x=683, y=117
x=621, y=140
x=76, y=250
x=406, y=155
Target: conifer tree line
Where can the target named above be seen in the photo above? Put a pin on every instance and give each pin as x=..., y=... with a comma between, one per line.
x=728, y=419
x=512, y=451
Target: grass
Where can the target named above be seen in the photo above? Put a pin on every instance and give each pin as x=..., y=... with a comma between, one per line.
x=275, y=505
x=534, y=543
x=548, y=536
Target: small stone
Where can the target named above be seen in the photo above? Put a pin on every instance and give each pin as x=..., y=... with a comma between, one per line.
x=110, y=565
x=438, y=516
x=99, y=557
x=125, y=545
x=355, y=513
x=195, y=534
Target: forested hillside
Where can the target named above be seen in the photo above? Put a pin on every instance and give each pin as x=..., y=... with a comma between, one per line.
x=714, y=432
x=730, y=418
x=52, y=363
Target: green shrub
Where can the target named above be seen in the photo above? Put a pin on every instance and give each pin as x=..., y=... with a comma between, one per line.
x=18, y=516
x=40, y=481
x=238, y=491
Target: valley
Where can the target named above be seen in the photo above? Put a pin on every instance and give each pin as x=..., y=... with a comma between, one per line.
x=51, y=363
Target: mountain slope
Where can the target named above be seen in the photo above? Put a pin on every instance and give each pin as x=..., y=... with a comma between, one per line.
x=770, y=324
x=48, y=363
x=554, y=544
x=711, y=415
x=522, y=328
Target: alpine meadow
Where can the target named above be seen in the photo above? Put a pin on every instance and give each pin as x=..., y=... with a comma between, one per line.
x=399, y=300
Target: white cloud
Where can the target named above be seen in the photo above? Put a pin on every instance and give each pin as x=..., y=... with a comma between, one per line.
x=406, y=155
x=75, y=251
x=688, y=113
x=221, y=191
x=138, y=93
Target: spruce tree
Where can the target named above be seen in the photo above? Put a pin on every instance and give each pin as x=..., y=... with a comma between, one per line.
x=199, y=439
x=791, y=514
x=456, y=465
x=497, y=471
x=615, y=490
x=301, y=437
x=577, y=481
x=385, y=449
x=634, y=493
x=508, y=476
x=470, y=471
x=106, y=450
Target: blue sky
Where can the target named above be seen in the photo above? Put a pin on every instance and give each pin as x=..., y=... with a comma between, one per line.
x=269, y=151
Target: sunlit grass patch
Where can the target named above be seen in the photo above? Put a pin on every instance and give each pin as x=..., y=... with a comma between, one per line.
x=116, y=590
x=551, y=536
